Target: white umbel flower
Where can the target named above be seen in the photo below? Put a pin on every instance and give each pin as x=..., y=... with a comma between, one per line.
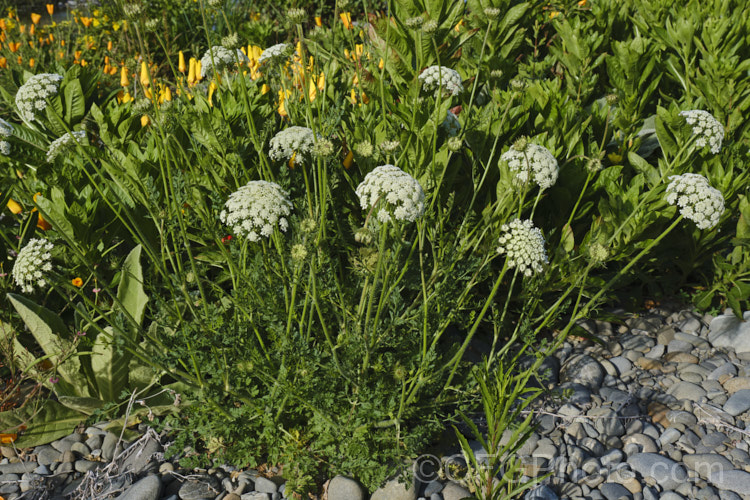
x=256, y=209
x=32, y=263
x=396, y=193
x=698, y=201
x=523, y=246
x=64, y=143
x=294, y=144
x=32, y=96
x=222, y=57
x=6, y=129
x=534, y=161
x=280, y=50
x=440, y=76
x=706, y=127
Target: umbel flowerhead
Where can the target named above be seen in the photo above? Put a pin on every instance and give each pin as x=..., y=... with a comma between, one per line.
x=706, y=127
x=32, y=96
x=697, y=200
x=533, y=163
x=294, y=144
x=393, y=193
x=436, y=77
x=6, y=130
x=256, y=209
x=32, y=263
x=64, y=143
x=223, y=58
x=278, y=51
x=523, y=246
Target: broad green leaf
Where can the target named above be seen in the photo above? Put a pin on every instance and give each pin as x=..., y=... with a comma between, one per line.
x=54, y=339
x=83, y=405
x=56, y=215
x=130, y=291
x=44, y=423
x=75, y=103
x=568, y=239
x=110, y=366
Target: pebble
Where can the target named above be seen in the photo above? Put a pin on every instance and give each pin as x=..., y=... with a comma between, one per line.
x=344, y=488
x=148, y=488
x=393, y=490
x=728, y=331
x=661, y=470
x=732, y=480
x=738, y=403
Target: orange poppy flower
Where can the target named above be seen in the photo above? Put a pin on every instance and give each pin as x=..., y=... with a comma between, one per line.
x=14, y=46
x=77, y=282
x=50, y=8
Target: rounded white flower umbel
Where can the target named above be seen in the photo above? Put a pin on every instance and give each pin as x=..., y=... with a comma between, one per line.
x=64, y=143
x=280, y=50
x=32, y=96
x=523, y=246
x=441, y=77
x=706, y=127
x=698, y=201
x=256, y=209
x=33, y=261
x=396, y=193
x=6, y=130
x=294, y=144
x=222, y=57
x=534, y=161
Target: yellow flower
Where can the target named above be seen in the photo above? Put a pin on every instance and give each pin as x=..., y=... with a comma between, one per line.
x=144, y=74
x=264, y=89
x=124, y=80
x=191, y=72
x=554, y=14
x=31, y=62
x=145, y=120
x=318, y=21
x=198, y=68
x=181, y=64
x=291, y=160
x=50, y=8
x=211, y=89
x=77, y=282
x=14, y=207
x=348, y=160
x=346, y=18
x=381, y=63
x=614, y=158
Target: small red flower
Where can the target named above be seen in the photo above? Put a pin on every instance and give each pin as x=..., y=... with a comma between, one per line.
x=226, y=239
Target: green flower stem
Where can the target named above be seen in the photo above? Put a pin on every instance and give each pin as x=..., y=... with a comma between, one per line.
x=453, y=363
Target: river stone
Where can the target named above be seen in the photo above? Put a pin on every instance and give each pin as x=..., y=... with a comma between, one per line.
x=687, y=390
x=141, y=455
x=645, y=442
x=739, y=402
x=614, y=491
x=732, y=480
x=148, y=488
x=725, y=368
x=706, y=464
x=659, y=469
x=454, y=491
x=735, y=384
x=17, y=468
x=676, y=345
x=199, y=489
x=393, y=490
x=343, y=488
x=728, y=331
x=543, y=492
x=584, y=370
x=681, y=417
x=265, y=485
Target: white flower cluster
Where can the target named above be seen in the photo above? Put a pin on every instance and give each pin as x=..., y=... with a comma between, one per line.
x=32, y=96
x=32, y=262
x=222, y=58
x=698, y=201
x=534, y=161
x=256, y=209
x=451, y=125
x=440, y=76
x=523, y=245
x=6, y=130
x=706, y=127
x=402, y=194
x=279, y=50
x=293, y=143
x=64, y=143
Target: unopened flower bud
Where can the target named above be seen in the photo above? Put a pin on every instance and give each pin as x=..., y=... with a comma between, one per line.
x=611, y=99
x=492, y=13
x=454, y=144
x=521, y=143
x=594, y=165
x=430, y=27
